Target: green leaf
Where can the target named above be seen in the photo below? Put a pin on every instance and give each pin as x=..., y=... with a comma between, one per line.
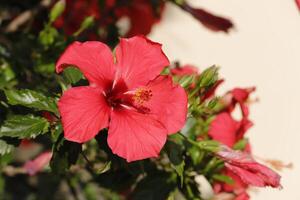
x=175, y=154
x=5, y=148
x=31, y=99
x=65, y=153
x=223, y=178
x=72, y=74
x=196, y=155
x=57, y=10
x=56, y=131
x=24, y=126
x=7, y=75
x=241, y=144
x=213, y=165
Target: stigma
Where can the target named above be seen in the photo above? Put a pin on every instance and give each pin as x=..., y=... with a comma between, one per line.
x=142, y=95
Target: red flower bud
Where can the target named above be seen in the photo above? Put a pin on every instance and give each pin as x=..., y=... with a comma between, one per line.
x=209, y=20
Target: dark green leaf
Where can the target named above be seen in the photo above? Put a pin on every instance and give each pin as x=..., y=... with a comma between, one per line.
x=5, y=148
x=31, y=99
x=176, y=157
x=119, y=179
x=24, y=126
x=65, y=153
x=56, y=131
x=154, y=186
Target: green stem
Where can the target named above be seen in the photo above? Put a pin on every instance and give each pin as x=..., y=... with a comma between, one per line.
x=209, y=145
x=189, y=140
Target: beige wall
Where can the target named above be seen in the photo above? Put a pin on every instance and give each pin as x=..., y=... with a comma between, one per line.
x=263, y=50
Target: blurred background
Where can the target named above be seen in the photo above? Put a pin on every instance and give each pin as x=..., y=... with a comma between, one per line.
x=257, y=43
x=263, y=50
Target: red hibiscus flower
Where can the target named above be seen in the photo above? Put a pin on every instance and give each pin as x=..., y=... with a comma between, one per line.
x=238, y=96
x=39, y=163
x=242, y=196
x=130, y=97
x=298, y=3
x=142, y=15
x=74, y=14
x=227, y=130
x=238, y=188
x=250, y=171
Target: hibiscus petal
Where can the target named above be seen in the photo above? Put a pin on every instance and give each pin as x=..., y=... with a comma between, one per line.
x=135, y=136
x=238, y=184
x=243, y=196
x=168, y=102
x=223, y=129
x=244, y=125
x=240, y=95
x=84, y=113
x=139, y=60
x=94, y=59
x=270, y=177
x=247, y=176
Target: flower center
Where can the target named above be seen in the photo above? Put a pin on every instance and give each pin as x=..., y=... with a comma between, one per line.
x=114, y=96
x=142, y=95
x=118, y=97
x=113, y=101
